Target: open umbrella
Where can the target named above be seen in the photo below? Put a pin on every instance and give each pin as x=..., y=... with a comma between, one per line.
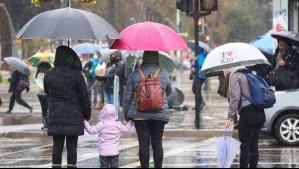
x=165, y=61
x=18, y=64
x=202, y=45
x=36, y=59
x=87, y=48
x=291, y=37
x=232, y=55
x=264, y=44
x=227, y=149
x=68, y=23
x=106, y=55
x=149, y=36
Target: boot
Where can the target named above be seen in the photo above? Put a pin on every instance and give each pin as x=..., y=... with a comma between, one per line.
x=8, y=112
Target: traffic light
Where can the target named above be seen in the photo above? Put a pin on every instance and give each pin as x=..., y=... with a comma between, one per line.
x=185, y=6
x=201, y=26
x=207, y=38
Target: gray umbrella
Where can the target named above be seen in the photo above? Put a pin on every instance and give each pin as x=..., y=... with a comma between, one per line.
x=18, y=64
x=68, y=23
x=201, y=44
x=291, y=37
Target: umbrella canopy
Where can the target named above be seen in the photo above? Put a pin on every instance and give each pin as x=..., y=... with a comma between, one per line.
x=227, y=149
x=36, y=59
x=149, y=36
x=106, y=55
x=264, y=44
x=87, y=48
x=291, y=37
x=18, y=64
x=202, y=45
x=68, y=23
x=232, y=55
x=165, y=61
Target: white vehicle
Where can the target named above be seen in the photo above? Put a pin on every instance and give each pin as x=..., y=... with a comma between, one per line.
x=282, y=121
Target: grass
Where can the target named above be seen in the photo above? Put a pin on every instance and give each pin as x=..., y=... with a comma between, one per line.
x=5, y=81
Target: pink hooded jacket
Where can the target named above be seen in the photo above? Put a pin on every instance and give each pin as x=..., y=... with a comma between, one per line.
x=109, y=130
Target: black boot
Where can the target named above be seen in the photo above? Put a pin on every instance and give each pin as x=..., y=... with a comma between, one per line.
x=56, y=166
x=71, y=166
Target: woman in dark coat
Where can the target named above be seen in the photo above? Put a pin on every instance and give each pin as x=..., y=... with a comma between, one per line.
x=69, y=104
x=149, y=125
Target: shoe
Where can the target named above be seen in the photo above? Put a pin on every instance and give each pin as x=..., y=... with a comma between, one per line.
x=99, y=106
x=44, y=128
x=31, y=109
x=8, y=112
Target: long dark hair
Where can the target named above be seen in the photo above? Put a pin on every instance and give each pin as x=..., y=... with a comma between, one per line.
x=43, y=67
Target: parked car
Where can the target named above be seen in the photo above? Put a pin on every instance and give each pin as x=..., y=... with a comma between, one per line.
x=282, y=121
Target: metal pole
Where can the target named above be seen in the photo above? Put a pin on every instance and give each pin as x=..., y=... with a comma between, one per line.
x=196, y=48
x=70, y=3
x=116, y=95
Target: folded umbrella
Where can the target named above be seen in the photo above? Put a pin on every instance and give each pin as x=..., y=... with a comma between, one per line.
x=149, y=36
x=18, y=64
x=227, y=149
x=232, y=55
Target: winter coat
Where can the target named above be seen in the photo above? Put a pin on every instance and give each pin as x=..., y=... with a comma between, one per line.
x=117, y=68
x=109, y=130
x=14, y=80
x=69, y=103
x=290, y=58
x=130, y=109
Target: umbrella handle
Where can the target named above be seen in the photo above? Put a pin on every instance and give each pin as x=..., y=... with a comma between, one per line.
x=228, y=132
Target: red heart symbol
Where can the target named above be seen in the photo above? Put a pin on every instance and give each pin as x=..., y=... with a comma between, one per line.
x=229, y=53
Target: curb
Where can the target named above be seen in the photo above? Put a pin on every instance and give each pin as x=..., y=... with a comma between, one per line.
x=168, y=133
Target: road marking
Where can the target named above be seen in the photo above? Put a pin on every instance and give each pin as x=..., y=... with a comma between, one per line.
x=175, y=152
x=92, y=155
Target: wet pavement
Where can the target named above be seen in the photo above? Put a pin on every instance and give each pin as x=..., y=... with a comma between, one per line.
x=33, y=148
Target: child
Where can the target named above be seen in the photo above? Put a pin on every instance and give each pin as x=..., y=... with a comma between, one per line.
x=109, y=130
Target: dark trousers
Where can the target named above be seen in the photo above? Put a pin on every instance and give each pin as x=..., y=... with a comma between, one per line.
x=251, y=122
x=197, y=88
x=17, y=96
x=109, y=162
x=71, y=146
x=44, y=102
x=150, y=132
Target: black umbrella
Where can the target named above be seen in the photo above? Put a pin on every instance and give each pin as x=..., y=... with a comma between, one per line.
x=68, y=23
x=288, y=36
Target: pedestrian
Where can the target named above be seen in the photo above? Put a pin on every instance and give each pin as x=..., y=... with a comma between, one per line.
x=252, y=118
x=285, y=67
x=109, y=131
x=42, y=69
x=149, y=125
x=100, y=86
x=114, y=68
x=69, y=105
x=18, y=83
x=90, y=73
x=197, y=85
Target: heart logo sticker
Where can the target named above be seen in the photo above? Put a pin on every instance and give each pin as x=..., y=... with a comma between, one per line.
x=229, y=54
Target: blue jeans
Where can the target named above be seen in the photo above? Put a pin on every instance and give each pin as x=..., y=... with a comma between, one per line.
x=109, y=98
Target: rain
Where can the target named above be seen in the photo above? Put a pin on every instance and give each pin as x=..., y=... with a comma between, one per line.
x=149, y=84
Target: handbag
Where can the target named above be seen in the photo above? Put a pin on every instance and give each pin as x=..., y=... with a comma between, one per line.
x=281, y=77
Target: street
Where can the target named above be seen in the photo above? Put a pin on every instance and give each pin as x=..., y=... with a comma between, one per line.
x=26, y=146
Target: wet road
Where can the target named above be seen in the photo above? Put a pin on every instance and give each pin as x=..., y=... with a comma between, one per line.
x=180, y=151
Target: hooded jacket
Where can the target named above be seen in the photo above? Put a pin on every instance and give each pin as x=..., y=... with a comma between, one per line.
x=109, y=130
x=69, y=103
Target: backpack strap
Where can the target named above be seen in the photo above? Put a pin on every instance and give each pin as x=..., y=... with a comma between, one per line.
x=141, y=73
x=157, y=73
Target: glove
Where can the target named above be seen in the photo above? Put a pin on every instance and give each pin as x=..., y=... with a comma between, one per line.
x=27, y=89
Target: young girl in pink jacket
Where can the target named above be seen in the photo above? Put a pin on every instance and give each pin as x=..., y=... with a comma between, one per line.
x=109, y=131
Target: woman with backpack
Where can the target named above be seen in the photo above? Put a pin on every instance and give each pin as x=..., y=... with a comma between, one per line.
x=42, y=68
x=137, y=106
x=252, y=118
x=16, y=88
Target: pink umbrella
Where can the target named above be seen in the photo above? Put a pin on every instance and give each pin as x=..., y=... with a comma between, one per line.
x=149, y=36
